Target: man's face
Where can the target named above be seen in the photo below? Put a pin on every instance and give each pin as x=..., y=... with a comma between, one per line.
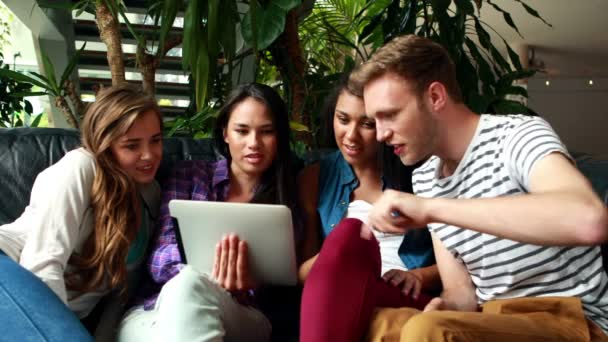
x=403, y=119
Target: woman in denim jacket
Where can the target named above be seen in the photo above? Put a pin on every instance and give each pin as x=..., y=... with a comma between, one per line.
x=357, y=269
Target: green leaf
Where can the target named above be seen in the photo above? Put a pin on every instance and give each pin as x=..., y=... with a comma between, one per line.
x=36, y=120
x=29, y=93
x=514, y=57
x=482, y=35
x=42, y=78
x=485, y=72
x=479, y=103
x=507, y=79
x=298, y=127
x=28, y=107
x=373, y=24
x=408, y=24
x=349, y=64
x=227, y=27
x=136, y=35
x=253, y=17
x=533, y=12
x=374, y=15
x=85, y=6
x=467, y=77
x=177, y=124
x=49, y=71
x=193, y=18
x=19, y=77
x=507, y=16
x=269, y=22
x=440, y=6
x=514, y=90
x=200, y=135
x=376, y=39
x=56, y=4
x=509, y=21
x=79, y=7
x=500, y=60
x=213, y=19
x=509, y=107
x=465, y=6
x=168, y=14
x=201, y=76
x=73, y=61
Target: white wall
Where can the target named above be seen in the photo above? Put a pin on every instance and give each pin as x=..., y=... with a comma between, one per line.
x=577, y=110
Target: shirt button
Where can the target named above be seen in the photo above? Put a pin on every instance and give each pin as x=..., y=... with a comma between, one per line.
x=332, y=225
x=343, y=203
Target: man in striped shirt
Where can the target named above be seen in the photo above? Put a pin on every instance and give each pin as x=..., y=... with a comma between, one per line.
x=515, y=226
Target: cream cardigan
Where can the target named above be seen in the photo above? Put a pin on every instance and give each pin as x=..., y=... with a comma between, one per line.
x=58, y=221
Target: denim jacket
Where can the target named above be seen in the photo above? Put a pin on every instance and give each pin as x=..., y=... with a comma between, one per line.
x=337, y=181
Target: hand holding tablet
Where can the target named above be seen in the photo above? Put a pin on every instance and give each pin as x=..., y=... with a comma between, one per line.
x=267, y=230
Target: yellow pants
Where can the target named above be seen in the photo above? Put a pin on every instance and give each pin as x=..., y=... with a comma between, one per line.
x=512, y=320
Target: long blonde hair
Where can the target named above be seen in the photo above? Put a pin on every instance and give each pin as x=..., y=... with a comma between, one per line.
x=114, y=198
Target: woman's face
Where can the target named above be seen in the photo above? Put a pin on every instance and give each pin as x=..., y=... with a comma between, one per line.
x=139, y=151
x=251, y=137
x=354, y=131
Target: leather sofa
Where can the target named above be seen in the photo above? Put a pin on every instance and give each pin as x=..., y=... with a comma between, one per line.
x=24, y=152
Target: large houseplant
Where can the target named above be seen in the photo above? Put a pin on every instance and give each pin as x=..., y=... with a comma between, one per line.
x=339, y=34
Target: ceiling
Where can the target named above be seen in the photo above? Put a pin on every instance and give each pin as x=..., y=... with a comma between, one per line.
x=576, y=45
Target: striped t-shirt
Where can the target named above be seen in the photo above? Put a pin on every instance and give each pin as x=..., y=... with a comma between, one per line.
x=498, y=162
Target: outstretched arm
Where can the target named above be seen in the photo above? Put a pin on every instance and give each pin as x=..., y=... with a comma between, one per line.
x=560, y=209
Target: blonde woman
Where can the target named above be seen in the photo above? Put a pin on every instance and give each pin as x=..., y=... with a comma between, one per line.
x=86, y=228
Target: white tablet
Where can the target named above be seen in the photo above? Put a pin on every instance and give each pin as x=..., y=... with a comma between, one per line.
x=266, y=228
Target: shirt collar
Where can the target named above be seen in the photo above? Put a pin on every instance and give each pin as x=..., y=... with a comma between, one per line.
x=347, y=176
x=220, y=172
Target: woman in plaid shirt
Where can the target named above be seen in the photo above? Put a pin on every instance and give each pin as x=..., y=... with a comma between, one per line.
x=252, y=132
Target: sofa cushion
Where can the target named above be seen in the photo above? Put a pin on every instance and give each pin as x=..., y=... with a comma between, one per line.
x=25, y=152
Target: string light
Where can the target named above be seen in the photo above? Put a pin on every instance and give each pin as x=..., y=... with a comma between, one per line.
x=590, y=82
x=547, y=83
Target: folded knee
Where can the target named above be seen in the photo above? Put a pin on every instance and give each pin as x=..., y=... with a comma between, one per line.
x=347, y=234
x=189, y=285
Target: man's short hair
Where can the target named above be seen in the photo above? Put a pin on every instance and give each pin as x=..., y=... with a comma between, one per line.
x=418, y=60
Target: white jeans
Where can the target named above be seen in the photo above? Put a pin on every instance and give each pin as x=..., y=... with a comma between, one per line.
x=192, y=307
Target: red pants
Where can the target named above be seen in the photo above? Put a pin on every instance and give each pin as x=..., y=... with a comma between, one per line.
x=344, y=287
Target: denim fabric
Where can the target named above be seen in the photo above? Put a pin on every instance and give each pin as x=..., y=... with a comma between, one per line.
x=337, y=181
x=30, y=311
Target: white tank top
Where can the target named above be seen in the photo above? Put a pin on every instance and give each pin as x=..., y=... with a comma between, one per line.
x=389, y=243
